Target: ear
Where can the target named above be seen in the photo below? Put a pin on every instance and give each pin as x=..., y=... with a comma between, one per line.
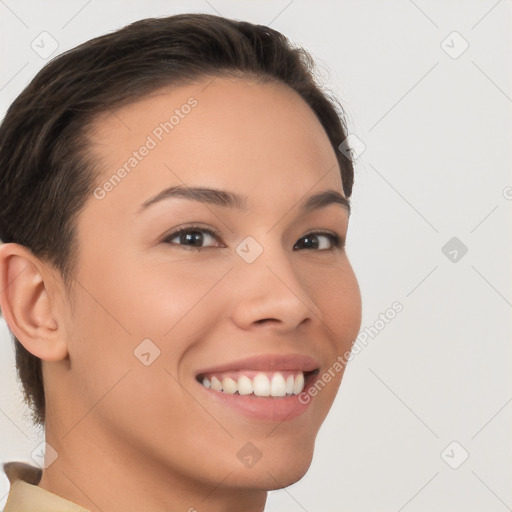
x=30, y=304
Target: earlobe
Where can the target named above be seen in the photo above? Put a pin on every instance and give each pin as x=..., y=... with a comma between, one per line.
x=29, y=308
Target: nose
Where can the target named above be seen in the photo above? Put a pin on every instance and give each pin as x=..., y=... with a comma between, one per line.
x=269, y=292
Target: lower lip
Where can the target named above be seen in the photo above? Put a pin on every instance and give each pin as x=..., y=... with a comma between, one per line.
x=273, y=409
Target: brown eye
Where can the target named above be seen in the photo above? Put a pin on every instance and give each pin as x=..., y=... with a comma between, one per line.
x=310, y=241
x=191, y=237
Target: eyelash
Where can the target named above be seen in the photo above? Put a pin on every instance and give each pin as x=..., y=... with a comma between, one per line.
x=337, y=241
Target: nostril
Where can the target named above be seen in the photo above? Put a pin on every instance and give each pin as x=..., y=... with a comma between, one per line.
x=266, y=320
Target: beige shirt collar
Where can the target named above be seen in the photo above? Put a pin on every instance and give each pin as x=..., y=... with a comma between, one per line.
x=26, y=496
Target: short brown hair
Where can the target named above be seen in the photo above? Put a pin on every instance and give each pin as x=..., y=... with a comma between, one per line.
x=47, y=171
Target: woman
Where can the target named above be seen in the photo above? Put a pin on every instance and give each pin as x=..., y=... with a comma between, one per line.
x=174, y=209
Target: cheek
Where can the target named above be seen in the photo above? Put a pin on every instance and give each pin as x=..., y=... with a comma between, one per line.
x=338, y=297
x=171, y=301
x=151, y=299
x=173, y=304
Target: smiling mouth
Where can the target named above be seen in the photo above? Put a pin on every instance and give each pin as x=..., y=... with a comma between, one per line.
x=258, y=383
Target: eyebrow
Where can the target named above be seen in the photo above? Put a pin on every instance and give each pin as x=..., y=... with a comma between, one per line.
x=233, y=200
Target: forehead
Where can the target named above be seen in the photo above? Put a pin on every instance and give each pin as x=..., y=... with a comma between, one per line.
x=225, y=132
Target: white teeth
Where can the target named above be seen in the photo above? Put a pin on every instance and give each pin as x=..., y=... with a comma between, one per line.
x=289, y=384
x=272, y=384
x=245, y=386
x=261, y=385
x=277, y=385
x=298, y=385
x=229, y=386
x=216, y=384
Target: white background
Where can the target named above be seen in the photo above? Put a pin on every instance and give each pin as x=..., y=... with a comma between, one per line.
x=437, y=165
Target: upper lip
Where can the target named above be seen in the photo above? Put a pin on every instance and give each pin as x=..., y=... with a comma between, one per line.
x=267, y=362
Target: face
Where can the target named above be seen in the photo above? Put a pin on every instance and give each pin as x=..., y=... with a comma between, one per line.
x=190, y=311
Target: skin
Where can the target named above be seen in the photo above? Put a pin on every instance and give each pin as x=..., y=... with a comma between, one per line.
x=136, y=437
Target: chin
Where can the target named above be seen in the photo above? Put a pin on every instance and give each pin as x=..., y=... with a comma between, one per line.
x=289, y=475
x=276, y=471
